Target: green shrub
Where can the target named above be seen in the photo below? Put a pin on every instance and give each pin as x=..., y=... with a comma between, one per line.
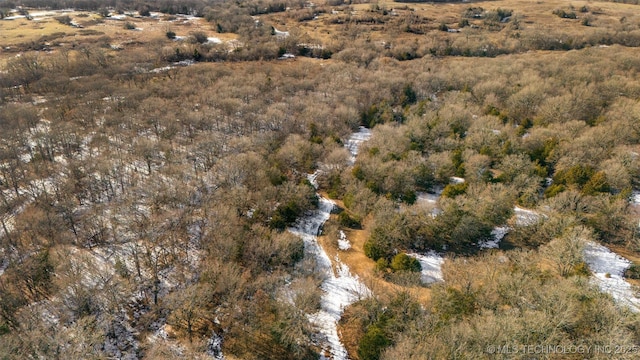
x=347, y=220
x=284, y=215
x=453, y=190
x=170, y=34
x=373, y=343
x=121, y=268
x=409, y=96
x=581, y=268
x=633, y=272
x=382, y=264
x=597, y=184
x=404, y=262
x=553, y=190
x=575, y=175
x=277, y=222
x=374, y=250
x=380, y=244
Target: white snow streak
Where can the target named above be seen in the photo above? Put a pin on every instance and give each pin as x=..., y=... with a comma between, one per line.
x=3, y=265
x=353, y=143
x=608, y=269
x=341, y=289
x=431, y=263
x=428, y=198
x=343, y=242
x=525, y=217
x=498, y=234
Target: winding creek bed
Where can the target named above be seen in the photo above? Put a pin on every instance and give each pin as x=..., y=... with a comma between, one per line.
x=340, y=287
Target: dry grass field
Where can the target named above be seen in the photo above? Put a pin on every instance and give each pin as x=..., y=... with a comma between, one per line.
x=48, y=34
x=527, y=18
x=531, y=16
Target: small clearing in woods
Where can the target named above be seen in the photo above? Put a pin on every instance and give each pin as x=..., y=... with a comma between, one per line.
x=364, y=267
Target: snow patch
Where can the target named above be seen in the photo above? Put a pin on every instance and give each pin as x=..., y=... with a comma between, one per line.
x=343, y=242
x=355, y=140
x=173, y=66
x=286, y=56
x=214, y=347
x=525, y=217
x=14, y=17
x=116, y=17
x=4, y=265
x=498, y=234
x=428, y=198
x=431, y=263
x=608, y=270
x=280, y=34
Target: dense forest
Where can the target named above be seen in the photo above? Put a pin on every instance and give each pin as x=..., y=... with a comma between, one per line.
x=196, y=179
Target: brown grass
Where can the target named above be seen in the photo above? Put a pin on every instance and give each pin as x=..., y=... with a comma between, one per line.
x=20, y=34
x=22, y=31
x=533, y=15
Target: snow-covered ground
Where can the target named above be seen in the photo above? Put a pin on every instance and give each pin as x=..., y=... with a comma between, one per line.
x=116, y=17
x=280, y=34
x=635, y=197
x=608, y=269
x=430, y=201
x=355, y=140
x=525, y=217
x=431, y=263
x=428, y=198
x=4, y=263
x=176, y=64
x=214, y=347
x=340, y=287
x=498, y=234
x=343, y=242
